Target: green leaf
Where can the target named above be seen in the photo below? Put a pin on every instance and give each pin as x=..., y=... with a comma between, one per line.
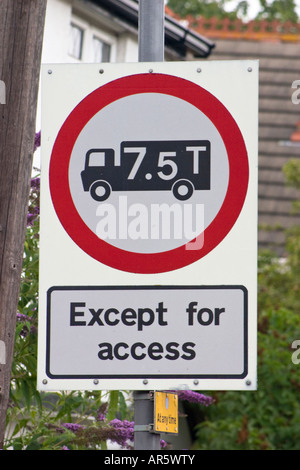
x=112, y=404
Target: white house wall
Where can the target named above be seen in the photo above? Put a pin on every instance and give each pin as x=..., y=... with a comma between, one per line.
x=60, y=14
x=55, y=44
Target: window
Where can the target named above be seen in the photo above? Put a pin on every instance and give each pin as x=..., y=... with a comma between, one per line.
x=88, y=42
x=101, y=50
x=75, y=41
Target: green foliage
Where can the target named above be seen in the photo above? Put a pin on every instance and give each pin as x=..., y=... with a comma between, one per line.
x=25, y=352
x=282, y=10
x=278, y=280
x=269, y=418
x=207, y=8
x=63, y=421
x=292, y=172
x=36, y=421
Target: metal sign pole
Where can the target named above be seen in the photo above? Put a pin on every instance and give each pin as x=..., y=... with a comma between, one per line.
x=151, y=49
x=151, y=31
x=144, y=437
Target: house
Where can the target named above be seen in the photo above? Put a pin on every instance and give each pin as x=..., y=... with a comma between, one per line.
x=95, y=31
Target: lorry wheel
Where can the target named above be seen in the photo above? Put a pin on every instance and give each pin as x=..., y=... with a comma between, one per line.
x=183, y=189
x=100, y=190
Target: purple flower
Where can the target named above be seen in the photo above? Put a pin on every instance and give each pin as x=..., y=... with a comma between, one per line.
x=30, y=219
x=35, y=182
x=163, y=444
x=33, y=329
x=23, y=317
x=194, y=397
x=33, y=208
x=37, y=140
x=124, y=432
x=101, y=417
x=101, y=412
x=72, y=426
x=117, y=423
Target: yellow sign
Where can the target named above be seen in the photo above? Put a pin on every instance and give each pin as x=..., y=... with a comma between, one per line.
x=166, y=412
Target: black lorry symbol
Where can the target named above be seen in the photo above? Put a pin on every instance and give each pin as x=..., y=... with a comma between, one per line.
x=178, y=166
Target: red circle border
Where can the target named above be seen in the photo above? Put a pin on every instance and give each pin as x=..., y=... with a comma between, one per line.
x=59, y=172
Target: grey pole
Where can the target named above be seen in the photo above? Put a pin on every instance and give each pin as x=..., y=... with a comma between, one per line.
x=144, y=439
x=151, y=49
x=151, y=31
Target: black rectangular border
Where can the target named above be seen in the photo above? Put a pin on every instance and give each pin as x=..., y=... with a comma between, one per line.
x=149, y=376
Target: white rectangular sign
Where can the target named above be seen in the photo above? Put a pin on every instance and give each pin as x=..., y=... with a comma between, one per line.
x=148, y=226
x=146, y=332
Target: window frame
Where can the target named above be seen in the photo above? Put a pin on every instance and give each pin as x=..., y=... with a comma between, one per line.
x=75, y=26
x=89, y=32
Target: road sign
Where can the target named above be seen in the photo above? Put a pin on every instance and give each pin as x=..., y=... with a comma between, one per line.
x=148, y=226
x=166, y=412
x=145, y=168
x=174, y=331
